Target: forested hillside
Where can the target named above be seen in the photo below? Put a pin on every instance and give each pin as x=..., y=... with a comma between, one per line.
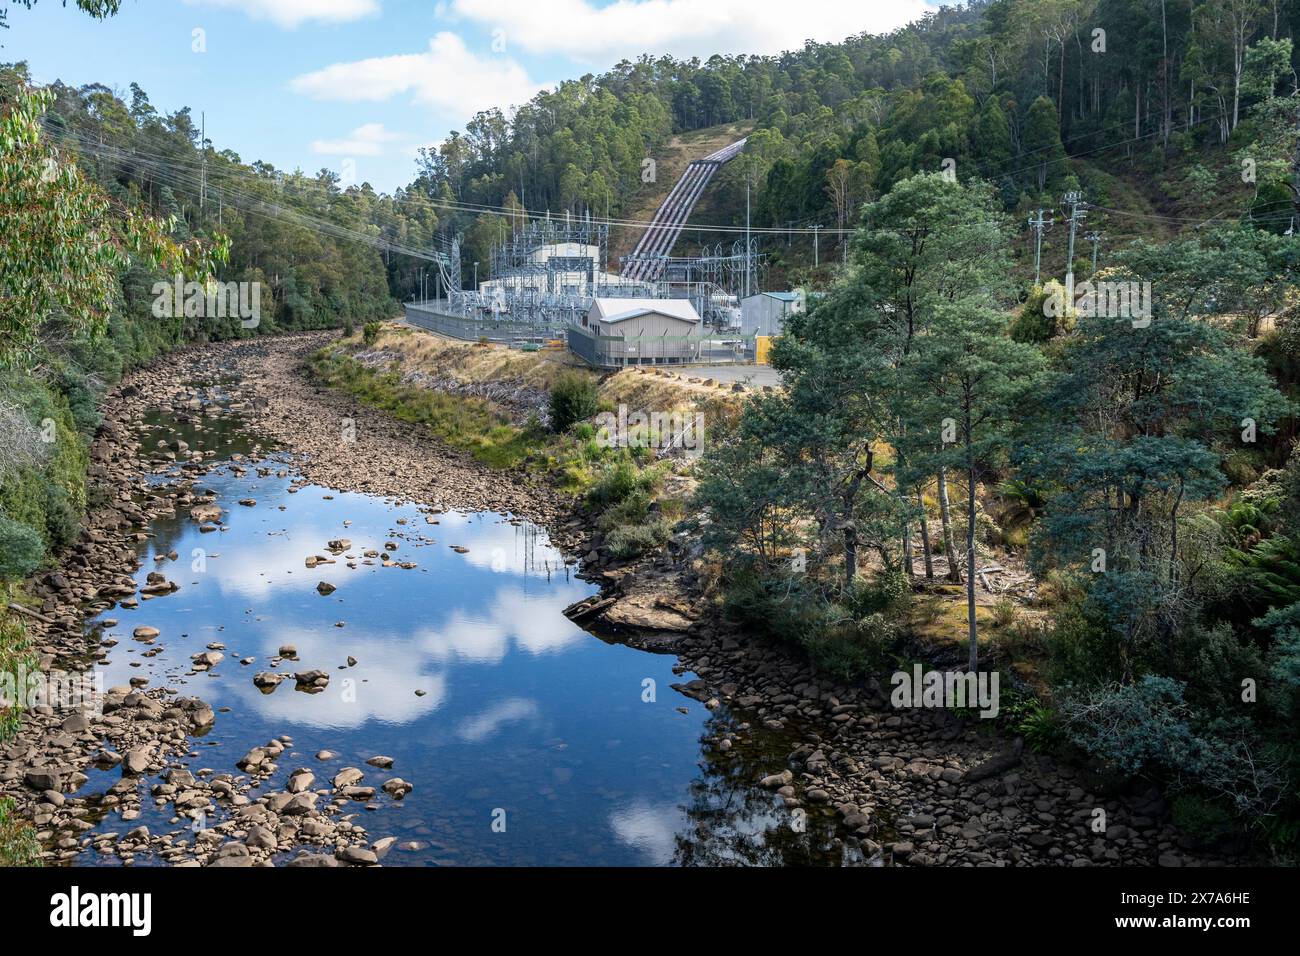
x=941, y=411
x=165, y=203
x=1143, y=104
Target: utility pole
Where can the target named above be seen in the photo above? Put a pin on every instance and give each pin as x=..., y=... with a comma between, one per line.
x=1078, y=210
x=1295, y=188
x=1095, y=238
x=746, y=230
x=816, y=236
x=1039, y=225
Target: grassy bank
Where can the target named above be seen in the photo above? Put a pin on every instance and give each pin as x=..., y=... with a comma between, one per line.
x=466, y=424
x=622, y=485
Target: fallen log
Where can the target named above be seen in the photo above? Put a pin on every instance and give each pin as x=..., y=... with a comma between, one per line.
x=587, y=608
x=32, y=614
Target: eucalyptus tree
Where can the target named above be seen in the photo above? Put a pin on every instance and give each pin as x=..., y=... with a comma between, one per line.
x=61, y=246
x=929, y=244
x=1135, y=422
x=969, y=384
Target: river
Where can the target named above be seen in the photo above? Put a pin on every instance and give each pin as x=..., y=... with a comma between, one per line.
x=528, y=740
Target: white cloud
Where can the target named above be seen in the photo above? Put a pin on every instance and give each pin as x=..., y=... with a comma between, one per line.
x=627, y=28
x=366, y=140
x=447, y=77
x=476, y=730
x=383, y=687
x=483, y=635
x=293, y=13
x=649, y=828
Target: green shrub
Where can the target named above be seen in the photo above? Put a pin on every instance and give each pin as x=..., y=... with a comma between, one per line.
x=630, y=541
x=769, y=606
x=82, y=401
x=62, y=521
x=370, y=332
x=18, y=844
x=15, y=655
x=1132, y=727
x=574, y=398
x=1150, y=727
x=21, y=549
x=1283, y=693
x=1004, y=612
x=844, y=640
x=619, y=481
x=1082, y=650
x=634, y=509
x=1201, y=818
x=1040, y=726
x=838, y=655
x=878, y=594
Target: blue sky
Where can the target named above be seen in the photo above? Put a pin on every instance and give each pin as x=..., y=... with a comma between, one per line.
x=328, y=83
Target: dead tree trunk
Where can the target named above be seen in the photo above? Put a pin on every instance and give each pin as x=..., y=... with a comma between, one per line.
x=945, y=518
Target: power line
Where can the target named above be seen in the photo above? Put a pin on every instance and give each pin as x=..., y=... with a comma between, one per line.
x=139, y=157
x=172, y=171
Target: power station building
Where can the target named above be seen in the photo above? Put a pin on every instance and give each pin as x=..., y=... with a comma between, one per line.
x=618, y=332
x=764, y=313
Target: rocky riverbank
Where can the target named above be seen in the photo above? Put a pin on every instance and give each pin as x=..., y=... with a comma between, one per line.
x=920, y=787
x=142, y=733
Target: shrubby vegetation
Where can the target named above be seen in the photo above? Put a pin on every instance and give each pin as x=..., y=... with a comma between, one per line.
x=574, y=398
x=933, y=413
x=104, y=206
x=1133, y=455
x=18, y=843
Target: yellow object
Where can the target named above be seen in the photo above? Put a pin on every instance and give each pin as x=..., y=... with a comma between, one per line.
x=763, y=348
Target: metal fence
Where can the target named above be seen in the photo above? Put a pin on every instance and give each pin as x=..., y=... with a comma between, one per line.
x=616, y=351
x=601, y=351
x=433, y=317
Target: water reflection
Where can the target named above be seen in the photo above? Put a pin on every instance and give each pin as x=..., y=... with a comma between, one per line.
x=483, y=727
x=466, y=673
x=730, y=822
